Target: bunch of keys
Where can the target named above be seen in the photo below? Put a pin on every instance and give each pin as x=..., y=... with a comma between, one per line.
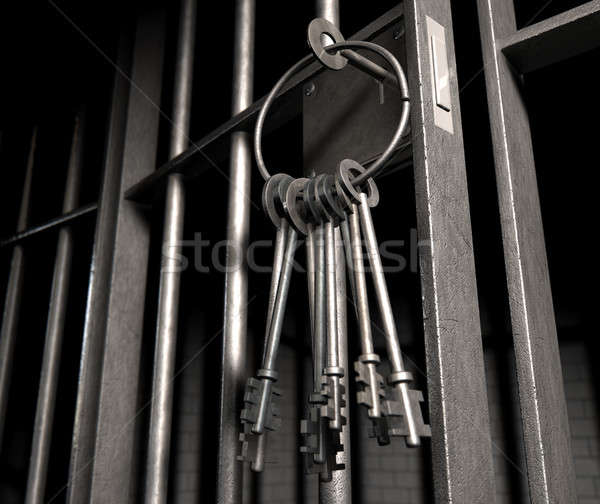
x=318, y=208
x=321, y=208
x=395, y=411
x=322, y=430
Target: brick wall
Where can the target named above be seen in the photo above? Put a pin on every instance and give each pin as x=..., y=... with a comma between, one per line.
x=277, y=484
x=394, y=473
x=187, y=418
x=582, y=406
x=505, y=426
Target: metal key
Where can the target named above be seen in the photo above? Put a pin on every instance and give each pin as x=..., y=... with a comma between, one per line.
x=267, y=373
x=403, y=407
x=321, y=443
x=333, y=372
x=371, y=389
x=261, y=412
x=371, y=383
x=332, y=387
x=313, y=428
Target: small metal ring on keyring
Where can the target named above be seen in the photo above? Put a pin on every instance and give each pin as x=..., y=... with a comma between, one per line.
x=273, y=195
x=348, y=171
x=292, y=196
x=327, y=199
x=318, y=29
x=375, y=168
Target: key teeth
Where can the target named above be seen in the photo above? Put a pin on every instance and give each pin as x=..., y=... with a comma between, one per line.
x=309, y=428
x=327, y=410
x=395, y=412
x=248, y=417
x=249, y=446
x=252, y=395
x=379, y=429
x=363, y=395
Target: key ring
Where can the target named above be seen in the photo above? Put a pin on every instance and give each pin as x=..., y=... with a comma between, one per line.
x=376, y=167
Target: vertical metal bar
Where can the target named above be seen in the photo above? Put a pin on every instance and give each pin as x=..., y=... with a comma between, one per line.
x=461, y=443
x=229, y=470
x=159, y=439
x=328, y=9
x=12, y=302
x=115, y=465
x=44, y=416
x=88, y=387
x=541, y=393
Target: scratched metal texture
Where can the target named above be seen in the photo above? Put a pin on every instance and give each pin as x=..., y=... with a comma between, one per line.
x=539, y=374
x=461, y=445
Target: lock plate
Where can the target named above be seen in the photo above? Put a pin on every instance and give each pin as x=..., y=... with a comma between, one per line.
x=440, y=75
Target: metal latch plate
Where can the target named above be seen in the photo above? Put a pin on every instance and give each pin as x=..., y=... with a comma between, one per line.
x=440, y=75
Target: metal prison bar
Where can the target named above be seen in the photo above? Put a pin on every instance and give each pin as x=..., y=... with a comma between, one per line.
x=103, y=446
x=508, y=52
x=168, y=301
x=234, y=354
x=57, y=313
x=14, y=289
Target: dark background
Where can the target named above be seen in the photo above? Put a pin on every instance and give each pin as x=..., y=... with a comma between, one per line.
x=57, y=57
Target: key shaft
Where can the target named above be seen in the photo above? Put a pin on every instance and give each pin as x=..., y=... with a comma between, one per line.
x=387, y=317
x=274, y=331
x=278, y=257
x=361, y=301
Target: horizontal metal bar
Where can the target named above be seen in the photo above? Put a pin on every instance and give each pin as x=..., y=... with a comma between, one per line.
x=54, y=223
x=193, y=162
x=555, y=39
